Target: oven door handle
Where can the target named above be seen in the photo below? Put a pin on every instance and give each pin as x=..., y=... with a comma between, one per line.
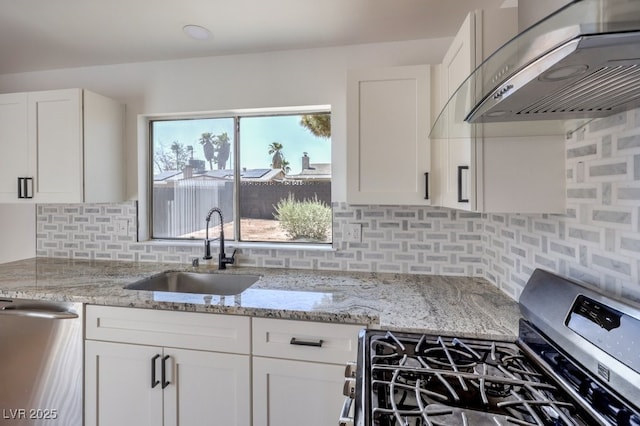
x=346, y=419
x=19, y=311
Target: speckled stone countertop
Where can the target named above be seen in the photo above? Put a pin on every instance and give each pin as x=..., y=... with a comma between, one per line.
x=426, y=303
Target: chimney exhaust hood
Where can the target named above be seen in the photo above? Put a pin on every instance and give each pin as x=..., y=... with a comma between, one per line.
x=583, y=61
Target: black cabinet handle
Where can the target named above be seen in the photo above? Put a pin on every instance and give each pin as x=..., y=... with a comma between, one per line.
x=461, y=170
x=165, y=382
x=25, y=187
x=154, y=382
x=426, y=186
x=317, y=343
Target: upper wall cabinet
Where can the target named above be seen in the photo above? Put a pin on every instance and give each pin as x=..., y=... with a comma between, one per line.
x=14, y=135
x=481, y=167
x=387, y=135
x=61, y=146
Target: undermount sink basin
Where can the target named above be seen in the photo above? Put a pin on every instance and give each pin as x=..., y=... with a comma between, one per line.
x=196, y=282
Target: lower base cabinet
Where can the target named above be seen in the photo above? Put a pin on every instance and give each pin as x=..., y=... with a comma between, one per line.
x=298, y=371
x=127, y=387
x=292, y=393
x=147, y=367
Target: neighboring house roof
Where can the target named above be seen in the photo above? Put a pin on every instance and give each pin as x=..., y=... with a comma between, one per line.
x=166, y=175
x=315, y=171
x=254, y=175
x=216, y=174
x=269, y=174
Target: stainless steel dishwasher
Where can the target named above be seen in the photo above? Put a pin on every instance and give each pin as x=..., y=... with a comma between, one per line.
x=41, y=357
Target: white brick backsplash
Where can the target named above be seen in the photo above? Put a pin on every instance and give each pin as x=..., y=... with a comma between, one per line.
x=398, y=239
x=596, y=241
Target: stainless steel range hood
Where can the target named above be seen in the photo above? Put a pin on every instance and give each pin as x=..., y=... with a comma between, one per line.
x=582, y=61
x=589, y=76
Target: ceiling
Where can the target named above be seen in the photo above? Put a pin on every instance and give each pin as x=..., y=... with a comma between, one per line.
x=48, y=34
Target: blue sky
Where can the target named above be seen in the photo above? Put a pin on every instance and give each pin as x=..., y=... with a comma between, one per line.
x=256, y=134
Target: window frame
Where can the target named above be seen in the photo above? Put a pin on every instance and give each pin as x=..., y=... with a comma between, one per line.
x=145, y=210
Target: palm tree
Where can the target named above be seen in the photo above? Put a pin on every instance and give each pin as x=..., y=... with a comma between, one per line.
x=318, y=124
x=285, y=166
x=206, y=140
x=277, y=160
x=224, y=150
x=177, y=149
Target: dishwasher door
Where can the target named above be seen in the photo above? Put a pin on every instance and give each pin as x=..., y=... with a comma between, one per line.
x=41, y=358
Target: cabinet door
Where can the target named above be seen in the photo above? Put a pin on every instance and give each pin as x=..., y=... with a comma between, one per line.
x=118, y=387
x=207, y=388
x=458, y=63
x=14, y=161
x=292, y=393
x=55, y=118
x=388, y=124
x=456, y=184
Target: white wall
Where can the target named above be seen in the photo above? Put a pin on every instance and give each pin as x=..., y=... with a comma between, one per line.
x=276, y=79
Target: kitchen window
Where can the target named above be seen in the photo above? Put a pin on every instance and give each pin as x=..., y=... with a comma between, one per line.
x=270, y=174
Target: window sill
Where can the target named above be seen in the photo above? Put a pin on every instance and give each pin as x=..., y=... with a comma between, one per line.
x=245, y=245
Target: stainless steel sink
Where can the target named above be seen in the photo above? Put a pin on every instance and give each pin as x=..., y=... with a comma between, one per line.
x=196, y=282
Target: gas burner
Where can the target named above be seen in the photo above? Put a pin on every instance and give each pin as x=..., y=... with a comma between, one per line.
x=411, y=363
x=449, y=358
x=499, y=389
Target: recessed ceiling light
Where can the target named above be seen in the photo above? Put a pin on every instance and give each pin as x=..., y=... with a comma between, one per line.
x=196, y=32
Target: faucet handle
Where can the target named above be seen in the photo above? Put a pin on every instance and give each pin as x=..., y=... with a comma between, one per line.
x=229, y=260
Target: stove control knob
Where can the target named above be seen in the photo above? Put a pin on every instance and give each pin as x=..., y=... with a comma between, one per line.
x=350, y=370
x=349, y=388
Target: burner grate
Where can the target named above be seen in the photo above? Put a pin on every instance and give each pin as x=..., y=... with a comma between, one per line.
x=437, y=381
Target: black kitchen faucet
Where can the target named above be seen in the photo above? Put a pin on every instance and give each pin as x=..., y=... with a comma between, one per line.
x=223, y=260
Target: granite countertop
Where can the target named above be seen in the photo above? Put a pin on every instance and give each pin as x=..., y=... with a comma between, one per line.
x=426, y=303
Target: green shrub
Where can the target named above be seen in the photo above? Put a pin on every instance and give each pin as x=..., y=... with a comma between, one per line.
x=307, y=219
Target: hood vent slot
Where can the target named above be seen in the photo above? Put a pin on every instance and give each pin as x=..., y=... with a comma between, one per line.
x=603, y=91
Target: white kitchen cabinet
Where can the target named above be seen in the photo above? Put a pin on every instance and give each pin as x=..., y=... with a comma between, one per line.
x=298, y=371
x=291, y=393
x=14, y=161
x=388, y=122
x=117, y=385
x=453, y=155
x=480, y=167
x=66, y=146
x=126, y=349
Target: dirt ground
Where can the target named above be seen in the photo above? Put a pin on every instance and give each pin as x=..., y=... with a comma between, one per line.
x=262, y=230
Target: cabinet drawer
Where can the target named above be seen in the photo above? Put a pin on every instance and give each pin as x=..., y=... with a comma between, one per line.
x=300, y=340
x=210, y=332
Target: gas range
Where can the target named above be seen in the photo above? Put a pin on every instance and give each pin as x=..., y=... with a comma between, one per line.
x=588, y=375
